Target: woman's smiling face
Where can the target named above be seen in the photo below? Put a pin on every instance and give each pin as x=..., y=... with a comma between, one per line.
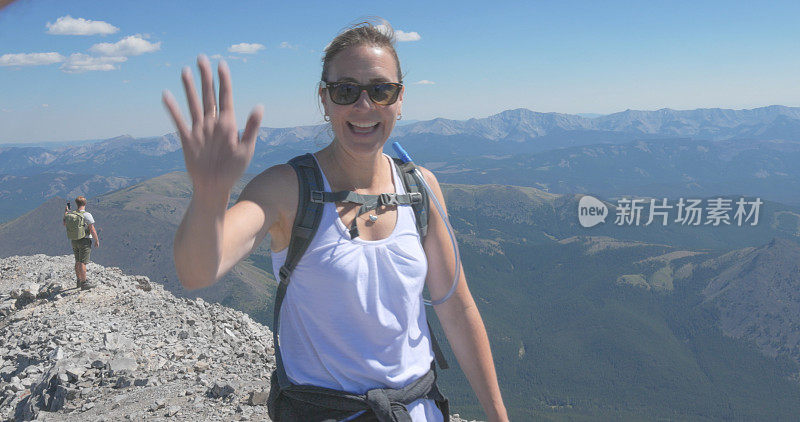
x=362, y=126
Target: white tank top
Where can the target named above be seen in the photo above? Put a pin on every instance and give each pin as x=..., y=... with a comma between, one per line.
x=353, y=317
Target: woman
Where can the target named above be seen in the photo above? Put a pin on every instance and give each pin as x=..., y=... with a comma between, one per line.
x=352, y=319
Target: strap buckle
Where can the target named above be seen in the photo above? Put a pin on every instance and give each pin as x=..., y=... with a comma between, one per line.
x=415, y=197
x=388, y=199
x=284, y=274
x=317, y=196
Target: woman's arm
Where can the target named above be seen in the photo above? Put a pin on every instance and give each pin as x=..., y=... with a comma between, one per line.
x=459, y=316
x=263, y=204
x=211, y=238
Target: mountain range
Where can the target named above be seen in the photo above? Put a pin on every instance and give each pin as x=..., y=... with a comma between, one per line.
x=700, y=152
x=514, y=127
x=520, y=125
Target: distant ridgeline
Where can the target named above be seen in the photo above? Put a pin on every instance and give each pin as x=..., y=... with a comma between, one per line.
x=612, y=321
x=664, y=152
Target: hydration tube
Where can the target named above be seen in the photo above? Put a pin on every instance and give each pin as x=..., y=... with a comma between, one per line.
x=407, y=159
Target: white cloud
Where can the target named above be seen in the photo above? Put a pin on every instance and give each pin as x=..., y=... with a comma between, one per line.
x=79, y=63
x=133, y=45
x=45, y=105
x=67, y=25
x=424, y=82
x=30, y=59
x=401, y=35
x=246, y=48
x=406, y=36
x=216, y=56
x=286, y=44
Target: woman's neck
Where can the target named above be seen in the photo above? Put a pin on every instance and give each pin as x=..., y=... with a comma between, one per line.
x=363, y=173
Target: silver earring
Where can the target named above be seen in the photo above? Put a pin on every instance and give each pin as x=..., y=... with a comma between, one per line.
x=399, y=116
x=327, y=118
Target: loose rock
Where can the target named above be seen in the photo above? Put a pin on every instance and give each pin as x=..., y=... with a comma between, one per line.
x=125, y=350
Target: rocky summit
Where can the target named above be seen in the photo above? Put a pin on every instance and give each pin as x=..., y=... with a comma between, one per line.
x=124, y=350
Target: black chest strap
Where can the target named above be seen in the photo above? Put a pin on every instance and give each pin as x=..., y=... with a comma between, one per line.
x=368, y=202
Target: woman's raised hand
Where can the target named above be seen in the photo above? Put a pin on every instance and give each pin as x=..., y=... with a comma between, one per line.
x=215, y=155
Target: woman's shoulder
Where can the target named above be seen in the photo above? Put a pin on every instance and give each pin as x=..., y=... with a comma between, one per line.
x=429, y=177
x=275, y=189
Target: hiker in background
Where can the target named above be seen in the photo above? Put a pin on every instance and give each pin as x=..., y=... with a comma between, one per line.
x=81, y=231
x=354, y=339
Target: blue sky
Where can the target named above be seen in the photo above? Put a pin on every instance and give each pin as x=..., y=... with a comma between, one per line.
x=481, y=57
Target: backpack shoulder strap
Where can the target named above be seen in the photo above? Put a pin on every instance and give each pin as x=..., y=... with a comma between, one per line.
x=412, y=184
x=309, y=213
x=79, y=214
x=306, y=223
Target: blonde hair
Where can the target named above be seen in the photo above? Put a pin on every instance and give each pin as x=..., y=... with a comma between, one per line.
x=372, y=32
x=80, y=201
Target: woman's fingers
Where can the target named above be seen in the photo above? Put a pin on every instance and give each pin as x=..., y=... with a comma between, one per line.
x=175, y=112
x=191, y=96
x=209, y=94
x=206, y=116
x=225, y=89
x=252, y=125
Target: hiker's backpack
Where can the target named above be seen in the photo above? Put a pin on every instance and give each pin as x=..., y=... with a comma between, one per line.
x=76, y=225
x=309, y=214
x=312, y=200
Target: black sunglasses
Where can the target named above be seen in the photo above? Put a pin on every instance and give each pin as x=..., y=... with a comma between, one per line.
x=346, y=93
